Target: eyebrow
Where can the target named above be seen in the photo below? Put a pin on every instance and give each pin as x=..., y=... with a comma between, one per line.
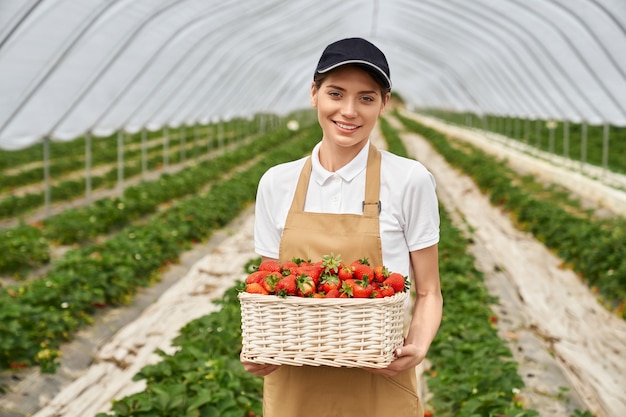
x=336, y=87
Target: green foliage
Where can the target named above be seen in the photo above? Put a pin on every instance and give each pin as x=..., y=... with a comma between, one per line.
x=39, y=315
x=593, y=247
x=576, y=141
x=204, y=377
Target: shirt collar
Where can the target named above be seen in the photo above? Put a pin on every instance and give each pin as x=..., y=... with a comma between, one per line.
x=347, y=172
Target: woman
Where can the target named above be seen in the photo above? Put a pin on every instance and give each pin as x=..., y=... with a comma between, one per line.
x=348, y=198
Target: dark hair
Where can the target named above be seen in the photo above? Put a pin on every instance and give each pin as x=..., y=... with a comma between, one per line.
x=318, y=78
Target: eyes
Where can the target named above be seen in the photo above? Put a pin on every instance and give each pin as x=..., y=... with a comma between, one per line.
x=366, y=98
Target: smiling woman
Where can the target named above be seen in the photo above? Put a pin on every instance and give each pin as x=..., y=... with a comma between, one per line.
x=351, y=199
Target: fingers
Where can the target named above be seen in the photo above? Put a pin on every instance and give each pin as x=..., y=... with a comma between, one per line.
x=259, y=368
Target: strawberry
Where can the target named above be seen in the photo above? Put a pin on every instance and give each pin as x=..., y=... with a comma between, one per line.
x=329, y=282
x=362, y=261
x=318, y=295
x=269, y=265
x=256, y=276
x=396, y=281
x=286, y=286
x=362, y=289
x=333, y=293
x=256, y=288
x=362, y=271
x=346, y=289
x=311, y=270
x=270, y=281
x=385, y=291
x=345, y=272
x=305, y=285
x=289, y=267
x=331, y=263
x=380, y=273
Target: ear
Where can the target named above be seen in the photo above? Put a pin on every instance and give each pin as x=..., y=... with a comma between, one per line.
x=313, y=95
x=384, y=103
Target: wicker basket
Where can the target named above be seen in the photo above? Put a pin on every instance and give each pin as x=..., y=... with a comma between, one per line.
x=350, y=332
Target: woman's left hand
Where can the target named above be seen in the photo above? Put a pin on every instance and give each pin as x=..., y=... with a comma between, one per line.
x=407, y=357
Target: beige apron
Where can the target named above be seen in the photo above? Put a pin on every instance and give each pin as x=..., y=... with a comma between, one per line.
x=311, y=391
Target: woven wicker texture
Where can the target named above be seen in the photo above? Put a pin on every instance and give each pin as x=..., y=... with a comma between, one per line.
x=350, y=332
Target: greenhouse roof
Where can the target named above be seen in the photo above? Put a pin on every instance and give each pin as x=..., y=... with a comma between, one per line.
x=70, y=67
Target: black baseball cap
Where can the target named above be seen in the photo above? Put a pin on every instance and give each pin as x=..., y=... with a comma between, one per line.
x=355, y=51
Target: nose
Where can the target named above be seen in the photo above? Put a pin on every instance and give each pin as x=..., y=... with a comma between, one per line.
x=348, y=109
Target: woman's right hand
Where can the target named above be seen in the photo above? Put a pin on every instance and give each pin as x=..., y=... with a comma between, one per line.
x=259, y=369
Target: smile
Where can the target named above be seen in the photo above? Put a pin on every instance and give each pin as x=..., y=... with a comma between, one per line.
x=344, y=126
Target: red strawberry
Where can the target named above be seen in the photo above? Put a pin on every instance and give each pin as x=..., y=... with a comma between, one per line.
x=385, y=291
x=256, y=288
x=305, y=285
x=380, y=273
x=362, y=271
x=362, y=289
x=346, y=289
x=270, y=281
x=333, y=293
x=329, y=282
x=289, y=267
x=269, y=265
x=286, y=286
x=311, y=270
x=345, y=272
x=396, y=281
x=256, y=276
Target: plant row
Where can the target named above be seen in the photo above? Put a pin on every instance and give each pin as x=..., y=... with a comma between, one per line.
x=576, y=141
x=27, y=246
x=35, y=318
x=593, y=247
x=16, y=206
x=102, y=152
x=75, y=148
x=472, y=371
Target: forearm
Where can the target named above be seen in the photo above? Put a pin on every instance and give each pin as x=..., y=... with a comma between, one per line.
x=425, y=320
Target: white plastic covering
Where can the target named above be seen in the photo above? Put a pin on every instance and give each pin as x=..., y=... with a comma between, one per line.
x=68, y=67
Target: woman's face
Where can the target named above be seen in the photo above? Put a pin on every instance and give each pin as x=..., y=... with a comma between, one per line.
x=348, y=104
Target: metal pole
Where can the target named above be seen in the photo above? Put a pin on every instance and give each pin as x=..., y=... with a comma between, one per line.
x=88, y=163
x=46, y=173
x=183, y=150
x=209, y=136
x=566, y=139
x=166, y=151
x=220, y=134
x=195, y=141
x=605, y=146
x=527, y=131
x=120, y=160
x=538, y=134
x=144, y=156
x=583, y=144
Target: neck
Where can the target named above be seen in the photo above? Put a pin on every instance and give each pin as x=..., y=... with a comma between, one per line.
x=333, y=157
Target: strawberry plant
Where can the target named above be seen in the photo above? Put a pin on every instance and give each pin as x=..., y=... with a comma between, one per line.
x=204, y=377
x=45, y=312
x=593, y=247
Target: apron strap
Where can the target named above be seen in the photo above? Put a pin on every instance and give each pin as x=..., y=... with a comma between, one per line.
x=371, y=204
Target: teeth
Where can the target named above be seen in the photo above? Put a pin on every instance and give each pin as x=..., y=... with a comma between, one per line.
x=349, y=127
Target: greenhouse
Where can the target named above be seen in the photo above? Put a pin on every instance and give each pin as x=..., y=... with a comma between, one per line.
x=133, y=138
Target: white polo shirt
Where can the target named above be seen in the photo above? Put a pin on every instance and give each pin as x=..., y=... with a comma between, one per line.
x=409, y=218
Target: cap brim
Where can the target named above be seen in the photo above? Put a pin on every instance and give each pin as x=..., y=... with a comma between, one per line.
x=379, y=70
